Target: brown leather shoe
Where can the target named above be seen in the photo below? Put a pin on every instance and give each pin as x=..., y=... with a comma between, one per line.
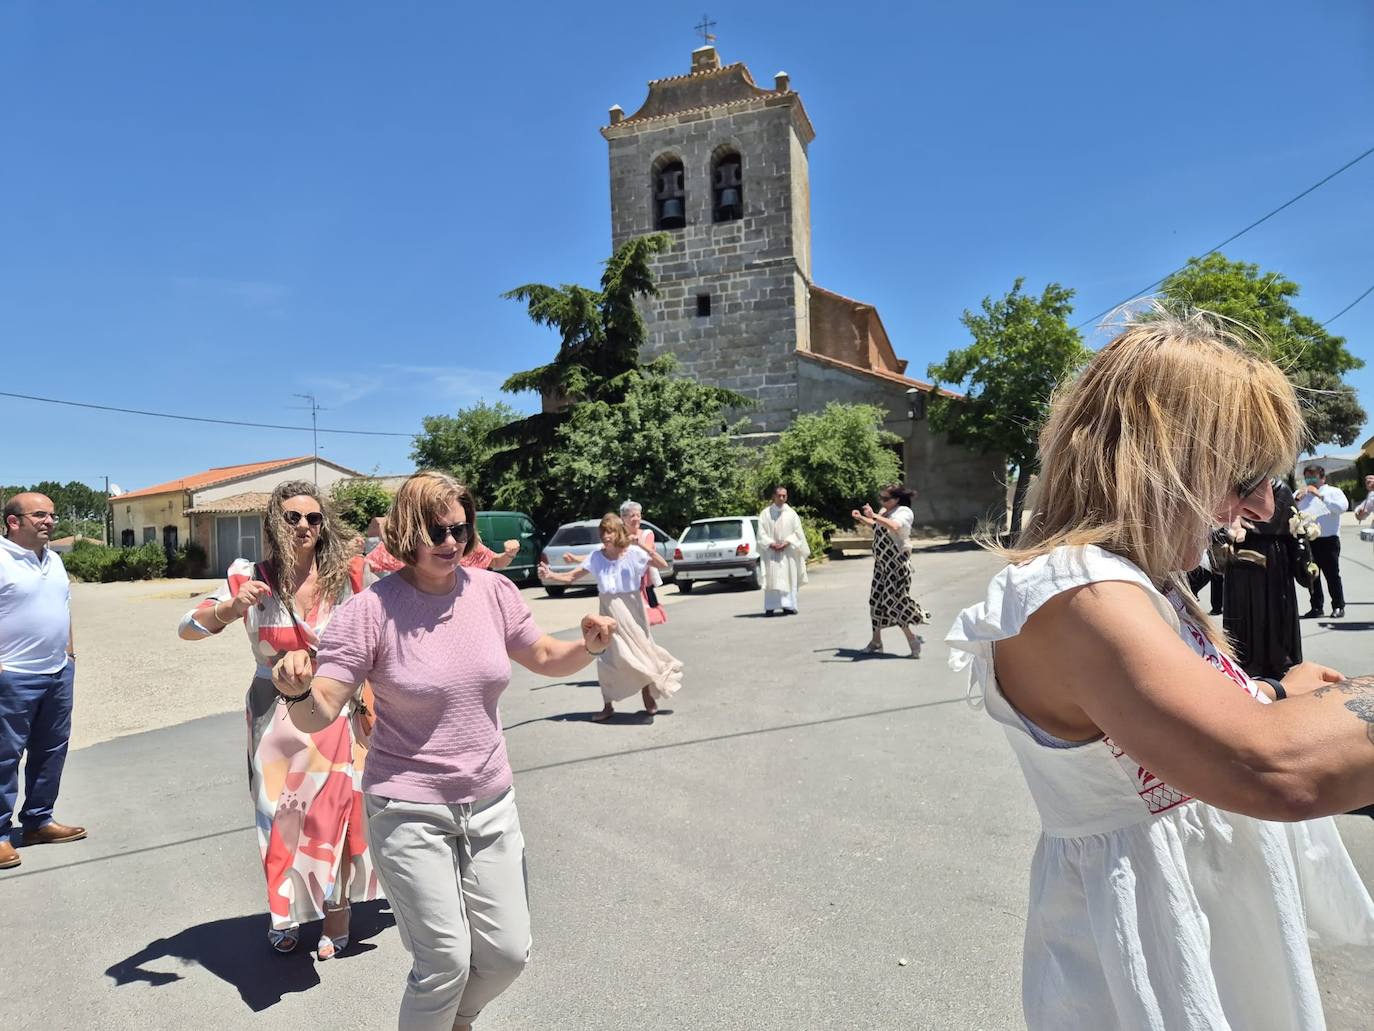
x=54, y=834
x=8, y=855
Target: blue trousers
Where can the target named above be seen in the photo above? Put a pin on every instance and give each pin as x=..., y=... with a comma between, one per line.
x=35, y=717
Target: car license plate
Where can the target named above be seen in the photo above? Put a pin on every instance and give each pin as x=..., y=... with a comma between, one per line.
x=712, y=554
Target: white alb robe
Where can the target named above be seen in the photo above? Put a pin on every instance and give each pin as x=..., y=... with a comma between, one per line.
x=784, y=570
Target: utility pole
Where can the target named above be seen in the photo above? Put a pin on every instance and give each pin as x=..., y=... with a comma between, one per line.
x=315, y=431
x=109, y=514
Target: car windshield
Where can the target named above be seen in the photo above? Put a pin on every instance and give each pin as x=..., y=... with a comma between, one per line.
x=571, y=536
x=728, y=530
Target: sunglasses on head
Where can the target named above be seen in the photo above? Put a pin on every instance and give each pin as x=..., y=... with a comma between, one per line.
x=294, y=518
x=439, y=532
x=1244, y=490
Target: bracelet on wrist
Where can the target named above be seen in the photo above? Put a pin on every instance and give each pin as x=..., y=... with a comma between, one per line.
x=214, y=611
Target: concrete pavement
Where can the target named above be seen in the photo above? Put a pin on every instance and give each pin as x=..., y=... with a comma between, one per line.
x=761, y=858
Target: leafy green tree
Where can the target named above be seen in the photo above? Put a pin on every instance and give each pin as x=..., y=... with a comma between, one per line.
x=831, y=461
x=79, y=508
x=1023, y=346
x=358, y=502
x=1314, y=359
x=600, y=334
x=665, y=444
x=463, y=444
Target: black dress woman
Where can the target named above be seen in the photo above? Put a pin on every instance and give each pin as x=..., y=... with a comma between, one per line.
x=1261, y=599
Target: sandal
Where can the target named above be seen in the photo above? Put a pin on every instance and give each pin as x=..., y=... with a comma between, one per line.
x=285, y=941
x=872, y=649
x=604, y=715
x=916, y=646
x=331, y=945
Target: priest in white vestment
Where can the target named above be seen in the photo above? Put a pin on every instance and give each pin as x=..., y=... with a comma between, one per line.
x=783, y=552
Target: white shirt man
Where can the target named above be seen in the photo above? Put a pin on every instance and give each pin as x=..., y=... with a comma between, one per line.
x=1324, y=504
x=783, y=555
x=37, y=670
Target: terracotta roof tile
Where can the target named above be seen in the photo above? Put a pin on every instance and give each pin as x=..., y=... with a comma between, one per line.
x=212, y=476
x=249, y=501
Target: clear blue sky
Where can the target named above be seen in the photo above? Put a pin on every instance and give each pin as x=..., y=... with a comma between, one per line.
x=209, y=207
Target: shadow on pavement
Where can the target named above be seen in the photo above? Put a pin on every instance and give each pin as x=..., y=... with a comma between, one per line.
x=1344, y=625
x=235, y=950
x=620, y=719
x=859, y=655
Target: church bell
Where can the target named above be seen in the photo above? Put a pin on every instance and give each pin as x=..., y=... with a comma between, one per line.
x=672, y=211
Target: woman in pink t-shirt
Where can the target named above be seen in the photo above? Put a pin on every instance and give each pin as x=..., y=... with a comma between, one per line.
x=436, y=641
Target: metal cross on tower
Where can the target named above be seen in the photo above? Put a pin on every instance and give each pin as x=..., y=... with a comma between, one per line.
x=704, y=29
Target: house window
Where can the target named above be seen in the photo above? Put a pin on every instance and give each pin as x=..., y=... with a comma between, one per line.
x=703, y=305
x=149, y=534
x=126, y=538
x=169, y=539
x=670, y=196
x=727, y=187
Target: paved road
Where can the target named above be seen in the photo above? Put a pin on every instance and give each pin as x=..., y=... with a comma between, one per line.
x=761, y=858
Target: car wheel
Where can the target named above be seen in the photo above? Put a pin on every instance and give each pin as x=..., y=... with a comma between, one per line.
x=755, y=580
x=684, y=586
x=554, y=592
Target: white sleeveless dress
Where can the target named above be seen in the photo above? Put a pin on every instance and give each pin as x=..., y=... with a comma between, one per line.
x=1149, y=909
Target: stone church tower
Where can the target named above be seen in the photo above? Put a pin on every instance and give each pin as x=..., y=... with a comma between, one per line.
x=721, y=164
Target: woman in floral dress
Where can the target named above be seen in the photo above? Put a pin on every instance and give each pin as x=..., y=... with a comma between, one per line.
x=305, y=787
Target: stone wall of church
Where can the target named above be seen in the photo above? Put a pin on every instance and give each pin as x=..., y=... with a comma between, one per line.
x=957, y=488
x=748, y=268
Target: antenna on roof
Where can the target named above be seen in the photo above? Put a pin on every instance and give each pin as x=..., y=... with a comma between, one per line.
x=315, y=409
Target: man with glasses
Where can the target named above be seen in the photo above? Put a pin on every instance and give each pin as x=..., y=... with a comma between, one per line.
x=37, y=671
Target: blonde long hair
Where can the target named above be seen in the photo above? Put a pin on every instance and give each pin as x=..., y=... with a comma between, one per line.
x=1143, y=447
x=332, y=550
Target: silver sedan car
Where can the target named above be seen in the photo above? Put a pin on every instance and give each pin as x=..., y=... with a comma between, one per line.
x=719, y=549
x=584, y=537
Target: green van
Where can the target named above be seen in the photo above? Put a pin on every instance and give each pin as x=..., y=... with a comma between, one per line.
x=495, y=528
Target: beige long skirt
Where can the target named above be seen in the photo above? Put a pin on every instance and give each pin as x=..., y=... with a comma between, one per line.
x=633, y=661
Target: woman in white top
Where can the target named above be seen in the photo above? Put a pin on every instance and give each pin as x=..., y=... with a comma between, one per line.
x=632, y=663
x=1161, y=897
x=889, y=598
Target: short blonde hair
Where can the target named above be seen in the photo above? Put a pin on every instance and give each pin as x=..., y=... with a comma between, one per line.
x=613, y=524
x=422, y=500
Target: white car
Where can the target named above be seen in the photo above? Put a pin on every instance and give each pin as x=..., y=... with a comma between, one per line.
x=719, y=549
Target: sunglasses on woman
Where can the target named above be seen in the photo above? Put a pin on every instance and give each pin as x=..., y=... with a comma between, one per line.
x=440, y=532
x=294, y=518
x=1244, y=490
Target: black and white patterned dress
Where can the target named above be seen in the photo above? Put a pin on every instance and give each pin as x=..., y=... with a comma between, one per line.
x=889, y=599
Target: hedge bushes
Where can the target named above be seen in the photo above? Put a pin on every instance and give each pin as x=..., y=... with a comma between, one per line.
x=95, y=563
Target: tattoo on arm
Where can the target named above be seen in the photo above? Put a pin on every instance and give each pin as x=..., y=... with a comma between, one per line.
x=1359, y=692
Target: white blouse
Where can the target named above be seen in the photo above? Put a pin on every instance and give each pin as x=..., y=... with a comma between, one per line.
x=618, y=576
x=904, y=518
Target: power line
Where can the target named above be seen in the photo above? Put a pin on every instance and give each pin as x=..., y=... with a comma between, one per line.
x=1236, y=236
x=1352, y=304
x=200, y=418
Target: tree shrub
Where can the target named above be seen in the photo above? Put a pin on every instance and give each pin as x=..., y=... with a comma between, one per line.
x=95, y=563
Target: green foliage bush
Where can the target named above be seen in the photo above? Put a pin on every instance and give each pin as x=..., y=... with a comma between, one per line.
x=189, y=560
x=95, y=563
x=1352, y=488
x=358, y=502
x=831, y=461
x=818, y=530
